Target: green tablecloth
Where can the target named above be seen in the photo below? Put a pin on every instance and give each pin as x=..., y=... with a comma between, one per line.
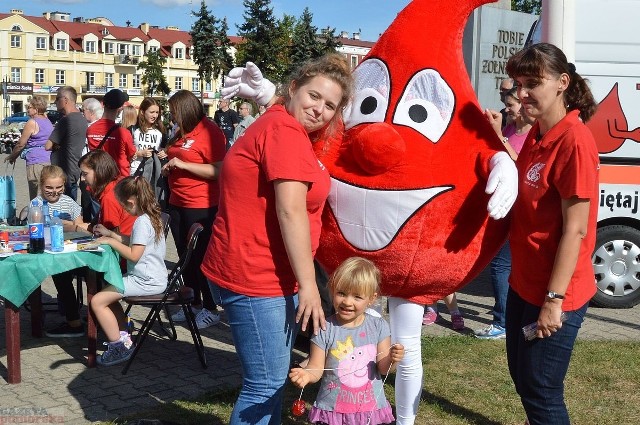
x=21, y=274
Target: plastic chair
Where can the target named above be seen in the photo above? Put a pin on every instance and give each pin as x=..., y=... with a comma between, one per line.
x=176, y=294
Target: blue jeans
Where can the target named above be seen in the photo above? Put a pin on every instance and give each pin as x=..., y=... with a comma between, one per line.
x=71, y=189
x=263, y=330
x=500, y=271
x=538, y=367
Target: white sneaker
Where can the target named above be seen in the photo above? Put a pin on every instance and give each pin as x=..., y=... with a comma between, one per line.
x=179, y=316
x=205, y=318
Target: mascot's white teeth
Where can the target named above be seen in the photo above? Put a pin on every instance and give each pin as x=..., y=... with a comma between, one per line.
x=369, y=218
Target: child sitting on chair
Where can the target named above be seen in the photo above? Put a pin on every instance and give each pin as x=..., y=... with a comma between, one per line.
x=146, y=271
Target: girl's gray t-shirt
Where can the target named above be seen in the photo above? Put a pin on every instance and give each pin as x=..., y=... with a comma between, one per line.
x=149, y=275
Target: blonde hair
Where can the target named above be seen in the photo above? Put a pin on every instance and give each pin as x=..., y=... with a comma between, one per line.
x=52, y=172
x=129, y=116
x=356, y=275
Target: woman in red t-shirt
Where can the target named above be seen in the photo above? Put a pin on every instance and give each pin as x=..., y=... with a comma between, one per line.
x=195, y=155
x=101, y=173
x=260, y=257
x=553, y=229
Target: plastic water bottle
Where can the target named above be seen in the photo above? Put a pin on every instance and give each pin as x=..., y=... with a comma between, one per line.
x=47, y=223
x=57, y=233
x=35, y=222
x=530, y=331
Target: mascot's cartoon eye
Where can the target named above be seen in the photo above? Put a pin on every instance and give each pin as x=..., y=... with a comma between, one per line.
x=368, y=105
x=371, y=95
x=426, y=105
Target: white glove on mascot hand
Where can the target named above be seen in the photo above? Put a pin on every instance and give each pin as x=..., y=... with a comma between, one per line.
x=248, y=83
x=503, y=184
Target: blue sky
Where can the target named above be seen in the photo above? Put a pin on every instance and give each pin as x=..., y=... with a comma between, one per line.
x=372, y=17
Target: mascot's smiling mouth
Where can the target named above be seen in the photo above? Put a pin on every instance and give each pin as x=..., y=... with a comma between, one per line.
x=369, y=219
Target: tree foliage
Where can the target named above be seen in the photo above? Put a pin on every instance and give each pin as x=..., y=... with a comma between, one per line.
x=527, y=6
x=265, y=41
x=305, y=42
x=210, y=45
x=153, y=73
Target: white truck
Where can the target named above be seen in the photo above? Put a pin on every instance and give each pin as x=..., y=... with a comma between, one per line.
x=601, y=39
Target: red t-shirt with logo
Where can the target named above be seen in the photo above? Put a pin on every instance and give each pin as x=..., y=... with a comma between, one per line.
x=119, y=144
x=205, y=144
x=562, y=165
x=246, y=253
x=112, y=214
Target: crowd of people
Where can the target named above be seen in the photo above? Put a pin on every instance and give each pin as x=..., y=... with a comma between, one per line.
x=257, y=187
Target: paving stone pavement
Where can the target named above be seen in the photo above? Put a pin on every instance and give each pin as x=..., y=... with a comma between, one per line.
x=56, y=380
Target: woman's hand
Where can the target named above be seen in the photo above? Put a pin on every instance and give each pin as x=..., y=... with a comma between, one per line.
x=310, y=307
x=10, y=159
x=162, y=154
x=495, y=120
x=145, y=153
x=100, y=230
x=549, y=319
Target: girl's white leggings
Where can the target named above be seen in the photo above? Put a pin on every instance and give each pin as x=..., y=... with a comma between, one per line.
x=406, y=329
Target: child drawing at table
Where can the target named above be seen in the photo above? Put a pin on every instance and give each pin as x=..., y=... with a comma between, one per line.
x=146, y=272
x=52, y=183
x=354, y=351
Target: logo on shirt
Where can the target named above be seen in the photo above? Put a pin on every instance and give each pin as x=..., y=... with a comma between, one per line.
x=533, y=175
x=321, y=165
x=187, y=143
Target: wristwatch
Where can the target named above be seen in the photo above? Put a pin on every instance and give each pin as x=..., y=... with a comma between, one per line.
x=554, y=295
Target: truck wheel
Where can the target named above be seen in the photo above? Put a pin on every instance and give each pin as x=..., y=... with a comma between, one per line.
x=616, y=264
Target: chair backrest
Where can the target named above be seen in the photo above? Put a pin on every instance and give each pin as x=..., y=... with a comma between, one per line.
x=175, y=276
x=166, y=219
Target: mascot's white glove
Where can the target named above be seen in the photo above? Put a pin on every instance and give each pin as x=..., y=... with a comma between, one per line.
x=248, y=83
x=502, y=184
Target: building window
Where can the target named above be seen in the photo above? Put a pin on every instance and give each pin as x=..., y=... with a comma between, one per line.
x=108, y=79
x=90, y=46
x=123, y=49
x=135, y=83
x=207, y=86
x=39, y=75
x=41, y=43
x=153, y=49
x=61, y=44
x=16, y=75
x=108, y=48
x=91, y=78
x=178, y=85
x=195, y=84
x=16, y=41
x=180, y=53
x=123, y=81
x=354, y=61
x=16, y=28
x=60, y=79
x=135, y=49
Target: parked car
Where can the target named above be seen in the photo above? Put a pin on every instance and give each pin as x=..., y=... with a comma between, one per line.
x=53, y=115
x=16, y=117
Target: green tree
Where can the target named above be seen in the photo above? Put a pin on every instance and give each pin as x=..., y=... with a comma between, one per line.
x=305, y=43
x=264, y=42
x=210, y=45
x=527, y=6
x=153, y=76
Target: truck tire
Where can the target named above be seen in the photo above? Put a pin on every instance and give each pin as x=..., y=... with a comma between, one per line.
x=616, y=265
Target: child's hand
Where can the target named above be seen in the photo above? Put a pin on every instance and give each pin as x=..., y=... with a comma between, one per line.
x=397, y=352
x=299, y=377
x=104, y=240
x=100, y=230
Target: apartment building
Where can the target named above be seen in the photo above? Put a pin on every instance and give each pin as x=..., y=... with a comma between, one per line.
x=40, y=54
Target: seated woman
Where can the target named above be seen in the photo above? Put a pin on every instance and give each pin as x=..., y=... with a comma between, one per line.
x=52, y=181
x=101, y=173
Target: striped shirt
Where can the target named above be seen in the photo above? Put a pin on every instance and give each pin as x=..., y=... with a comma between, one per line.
x=67, y=208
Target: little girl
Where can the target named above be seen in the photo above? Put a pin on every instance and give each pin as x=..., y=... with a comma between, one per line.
x=354, y=350
x=146, y=271
x=52, y=183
